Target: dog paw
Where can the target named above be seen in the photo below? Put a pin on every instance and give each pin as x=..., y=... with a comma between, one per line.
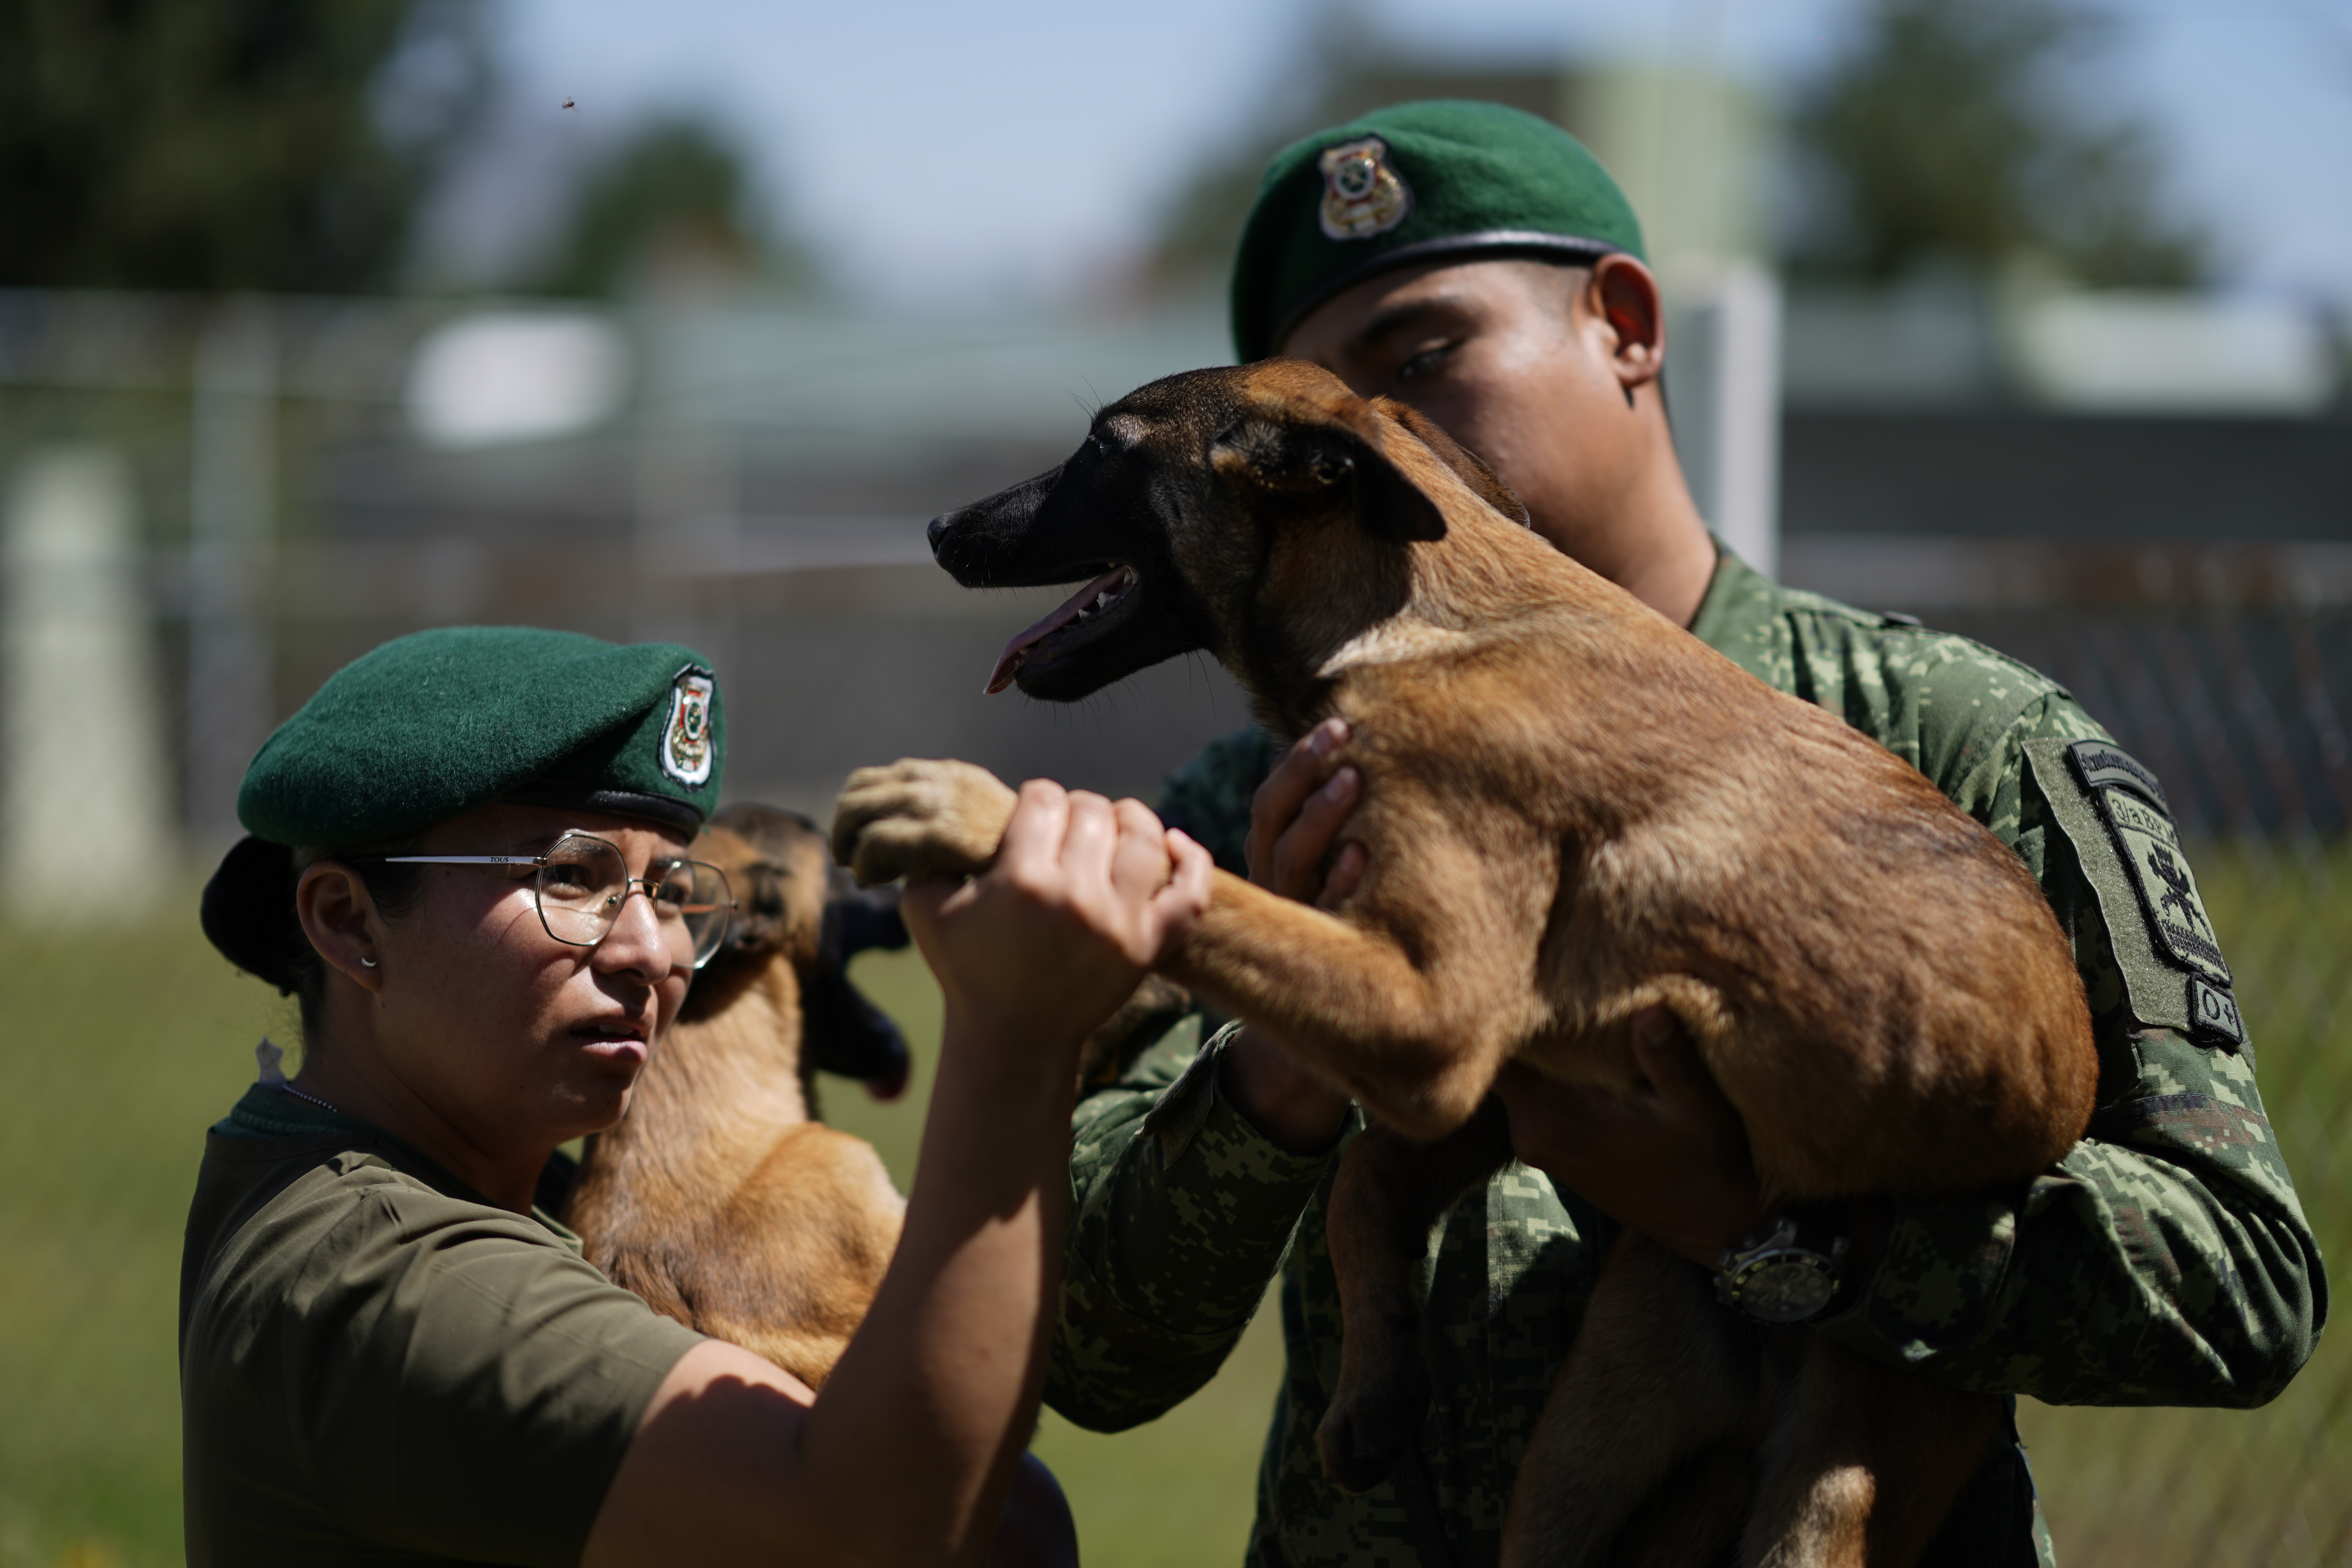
x=1356, y=1458
x=1362, y=1439
x=920, y=818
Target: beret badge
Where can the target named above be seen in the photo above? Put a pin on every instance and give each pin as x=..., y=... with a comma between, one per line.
x=1362, y=196
x=687, y=752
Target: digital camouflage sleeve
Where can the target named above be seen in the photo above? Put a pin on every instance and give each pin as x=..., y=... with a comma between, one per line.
x=2164, y=1260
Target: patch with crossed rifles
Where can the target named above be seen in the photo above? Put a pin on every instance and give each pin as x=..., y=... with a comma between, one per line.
x=2140, y=820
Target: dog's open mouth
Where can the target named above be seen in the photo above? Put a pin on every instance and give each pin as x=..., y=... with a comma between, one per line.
x=1086, y=609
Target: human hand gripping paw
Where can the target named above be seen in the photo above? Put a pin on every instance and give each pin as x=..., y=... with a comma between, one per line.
x=1295, y=817
x=1083, y=896
x=1297, y=812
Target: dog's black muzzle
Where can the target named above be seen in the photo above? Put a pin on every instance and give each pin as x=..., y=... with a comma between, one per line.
x=995, y=543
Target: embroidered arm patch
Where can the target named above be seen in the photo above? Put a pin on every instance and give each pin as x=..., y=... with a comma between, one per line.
x=2160, y=874
x=2114, y=814
x=2214, y=1011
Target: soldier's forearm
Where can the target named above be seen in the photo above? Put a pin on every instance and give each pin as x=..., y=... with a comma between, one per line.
x=2166, y=1261
x=1297, y=1111
x=1182, y=1213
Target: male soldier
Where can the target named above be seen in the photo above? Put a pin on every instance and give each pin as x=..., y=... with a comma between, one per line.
x=1478, y=264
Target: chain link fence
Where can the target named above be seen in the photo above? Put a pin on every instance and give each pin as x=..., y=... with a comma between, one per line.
x=2244, y=715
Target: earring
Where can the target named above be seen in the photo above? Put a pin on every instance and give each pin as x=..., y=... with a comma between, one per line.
x=368, y=962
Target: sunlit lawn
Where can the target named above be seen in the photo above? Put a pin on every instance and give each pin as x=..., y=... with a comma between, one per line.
x=124, y=1049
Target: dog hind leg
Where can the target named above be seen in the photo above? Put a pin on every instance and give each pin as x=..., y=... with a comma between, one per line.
x=1660, y=1374
x=1861, y=1463
x=791, y=1264
x=1695, y=1517
x=1387, y=1193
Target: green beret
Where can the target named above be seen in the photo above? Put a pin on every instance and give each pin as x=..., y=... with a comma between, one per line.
x=1413, y=183
x=431, y=725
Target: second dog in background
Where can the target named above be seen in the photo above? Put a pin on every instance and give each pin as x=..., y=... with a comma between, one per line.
x=718, y=1198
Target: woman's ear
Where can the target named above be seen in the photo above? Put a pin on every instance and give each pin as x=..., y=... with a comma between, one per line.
x=339, y=918
x=1623, y=295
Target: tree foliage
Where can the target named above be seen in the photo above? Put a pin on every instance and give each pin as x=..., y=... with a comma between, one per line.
x=1952, y=131
x=223, y=145
x=677, y=192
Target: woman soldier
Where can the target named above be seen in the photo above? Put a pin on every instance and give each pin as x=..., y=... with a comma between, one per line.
x=388, y=1353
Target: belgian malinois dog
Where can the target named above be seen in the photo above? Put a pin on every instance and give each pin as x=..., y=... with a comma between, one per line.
x=1583, y=824
x=719, y=1198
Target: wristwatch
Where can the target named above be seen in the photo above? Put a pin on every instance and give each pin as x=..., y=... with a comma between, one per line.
x=1786, y=1275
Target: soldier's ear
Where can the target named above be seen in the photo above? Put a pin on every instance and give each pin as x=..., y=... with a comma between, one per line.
x=1324, y=456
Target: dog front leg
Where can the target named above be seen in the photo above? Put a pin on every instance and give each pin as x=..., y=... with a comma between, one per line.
x=1861, y=1464
x=1387, y=1193
x=1416, y=1040
x=1660, y=1373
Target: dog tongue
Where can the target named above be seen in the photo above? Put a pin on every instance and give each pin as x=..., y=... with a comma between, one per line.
x=1008, y=663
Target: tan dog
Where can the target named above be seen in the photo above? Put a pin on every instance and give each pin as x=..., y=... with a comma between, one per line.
x=1583, y=824
x=718, y=1198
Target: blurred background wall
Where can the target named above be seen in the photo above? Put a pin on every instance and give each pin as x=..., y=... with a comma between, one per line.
x=322, y=324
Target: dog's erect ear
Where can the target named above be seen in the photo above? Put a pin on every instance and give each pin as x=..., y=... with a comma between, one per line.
x=1457, y=456
x=1302, y=458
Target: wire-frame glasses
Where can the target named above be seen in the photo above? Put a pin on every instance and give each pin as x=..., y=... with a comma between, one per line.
x=582, y=882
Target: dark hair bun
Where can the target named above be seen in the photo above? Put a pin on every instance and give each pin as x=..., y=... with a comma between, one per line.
x=248, y=912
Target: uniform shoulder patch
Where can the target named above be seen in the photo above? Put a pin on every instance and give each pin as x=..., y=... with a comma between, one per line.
x=2101, y=767
x=2136, y=814
x=2215, y=1012
x=1362, y=195
x=2155, y=989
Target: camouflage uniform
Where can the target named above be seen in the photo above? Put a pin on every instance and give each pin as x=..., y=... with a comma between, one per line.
x=2164, y=1260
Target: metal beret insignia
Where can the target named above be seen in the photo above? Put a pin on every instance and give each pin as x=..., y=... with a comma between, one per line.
x=687, y=752
x=1362, y=195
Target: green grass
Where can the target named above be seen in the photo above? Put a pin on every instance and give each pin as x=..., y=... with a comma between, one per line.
x=124, y=1047
x=2253, y=1489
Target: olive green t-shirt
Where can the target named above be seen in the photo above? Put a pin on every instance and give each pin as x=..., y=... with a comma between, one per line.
x=377, y=1365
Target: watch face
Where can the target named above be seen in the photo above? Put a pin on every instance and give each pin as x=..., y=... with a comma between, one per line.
x=1786, y=1287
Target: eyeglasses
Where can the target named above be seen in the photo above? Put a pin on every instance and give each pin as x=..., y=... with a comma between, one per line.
x=582, y=882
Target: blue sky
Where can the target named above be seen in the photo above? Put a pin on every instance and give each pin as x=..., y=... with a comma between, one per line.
x=959, y=154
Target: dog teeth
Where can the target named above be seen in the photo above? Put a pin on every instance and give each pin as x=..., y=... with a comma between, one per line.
x=1100, y=602
x=1108, y=590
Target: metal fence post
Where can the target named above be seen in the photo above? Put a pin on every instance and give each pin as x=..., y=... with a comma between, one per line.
x=232, y=530
x=1723, y=388
x=684, y=527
